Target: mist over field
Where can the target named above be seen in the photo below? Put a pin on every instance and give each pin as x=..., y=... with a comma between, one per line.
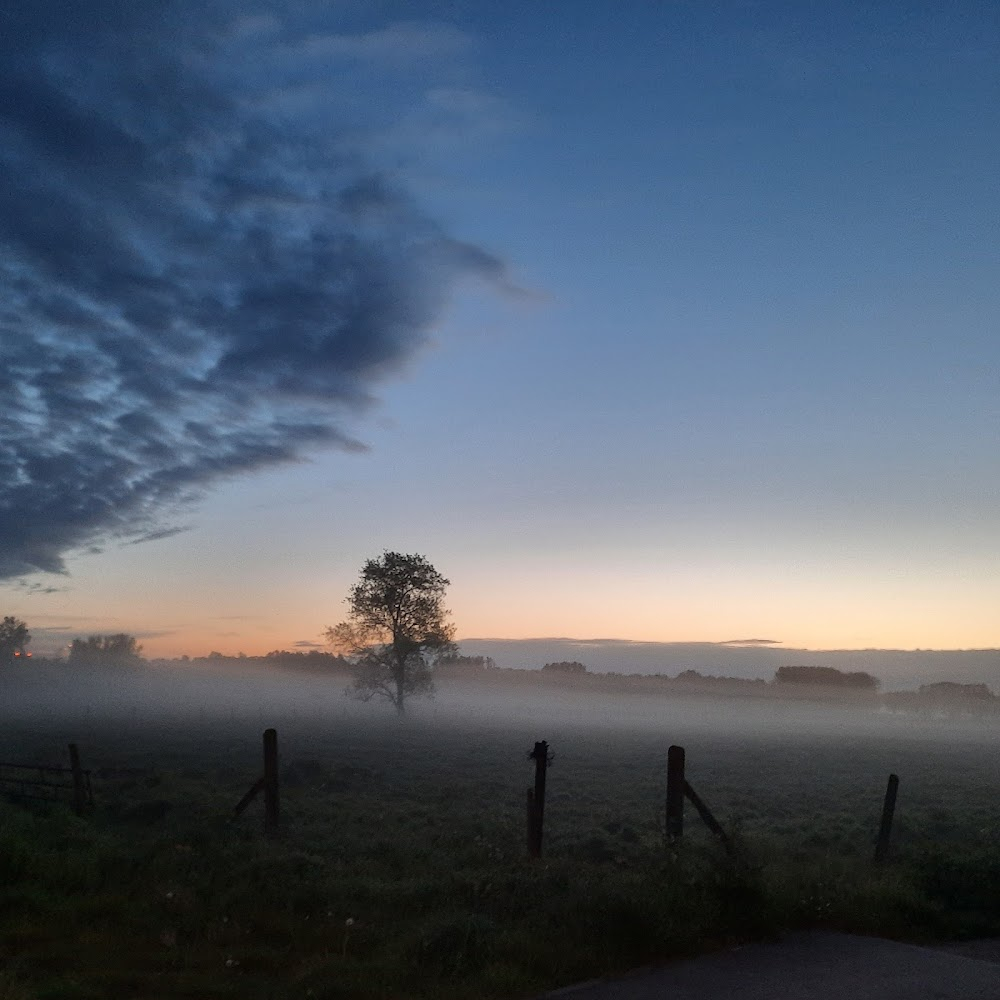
x=160, y=694
x=402, y=840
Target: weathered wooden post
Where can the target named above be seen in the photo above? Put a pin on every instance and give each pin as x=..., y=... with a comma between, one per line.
x=270, y=782
x=536, y=799
x=885, y=829
x=79, y=786
x=675, y=793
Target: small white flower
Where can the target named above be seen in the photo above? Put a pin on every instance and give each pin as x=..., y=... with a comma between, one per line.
x=349, y=922
x=170, y=895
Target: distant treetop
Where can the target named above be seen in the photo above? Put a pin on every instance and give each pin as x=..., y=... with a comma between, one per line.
x=14, y=637
x=951, y=691
x=565, y=667
x=110, y=650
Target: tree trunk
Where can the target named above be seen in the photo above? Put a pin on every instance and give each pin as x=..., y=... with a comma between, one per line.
x=399, y=676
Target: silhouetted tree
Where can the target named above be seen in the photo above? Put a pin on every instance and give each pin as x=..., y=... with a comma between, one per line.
x=14, y=636
x=118, y=650
x=396, y=628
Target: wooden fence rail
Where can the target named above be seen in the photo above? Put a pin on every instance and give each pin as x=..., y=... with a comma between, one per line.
x=53, y=784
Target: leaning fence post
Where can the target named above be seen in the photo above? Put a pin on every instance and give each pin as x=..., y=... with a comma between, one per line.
x=270, y=781
x=79, y=786
x=536, y=799
x=885, y=829
x=531, y=823
x=251, y=794
x=708, y=819
x=675, y=793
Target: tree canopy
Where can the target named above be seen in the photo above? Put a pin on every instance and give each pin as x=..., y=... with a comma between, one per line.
x=111, y=650
x=395, y=629
x=14, y=636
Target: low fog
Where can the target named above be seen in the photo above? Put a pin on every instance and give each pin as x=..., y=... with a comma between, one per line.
x=100, y=704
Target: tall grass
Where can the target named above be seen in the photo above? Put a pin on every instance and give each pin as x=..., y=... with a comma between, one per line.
x=401, y=870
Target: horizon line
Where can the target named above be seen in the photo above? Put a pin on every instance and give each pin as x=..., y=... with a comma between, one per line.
x=738, y=644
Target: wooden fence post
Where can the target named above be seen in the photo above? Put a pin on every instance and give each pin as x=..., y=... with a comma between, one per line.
x=536, y=799
x=270, y=782
x=675, y=793
x=885, y=829
x=79, y=787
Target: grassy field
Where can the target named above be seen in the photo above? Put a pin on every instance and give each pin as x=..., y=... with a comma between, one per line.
x=401, y=870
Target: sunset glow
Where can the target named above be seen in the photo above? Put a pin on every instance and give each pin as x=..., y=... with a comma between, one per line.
x=678, y=326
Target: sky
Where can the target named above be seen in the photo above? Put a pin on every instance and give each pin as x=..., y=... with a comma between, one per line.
x=667, y=321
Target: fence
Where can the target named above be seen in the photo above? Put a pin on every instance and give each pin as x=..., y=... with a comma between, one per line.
x=268, y=784
x=679, y=789
x=52, y=784
x=49, y=784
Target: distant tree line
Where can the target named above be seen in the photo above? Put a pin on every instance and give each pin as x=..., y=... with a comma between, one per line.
x=694, y=677
x=457, y=663
x=948, y=698
x=297, y=659
x=827, y=677
x=311, y=659
x=119, y=650
x=952, y=691
x=565, y=667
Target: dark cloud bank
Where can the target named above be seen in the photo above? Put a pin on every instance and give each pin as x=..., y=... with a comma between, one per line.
x=191, y=287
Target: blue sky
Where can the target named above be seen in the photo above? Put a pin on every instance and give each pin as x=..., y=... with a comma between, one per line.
x=690, y=334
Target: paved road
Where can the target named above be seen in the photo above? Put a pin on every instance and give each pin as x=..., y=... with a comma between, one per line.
x=813, y=966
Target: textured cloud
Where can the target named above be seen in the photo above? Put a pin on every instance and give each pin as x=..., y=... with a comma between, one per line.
x=191, y=289
x=404, y=41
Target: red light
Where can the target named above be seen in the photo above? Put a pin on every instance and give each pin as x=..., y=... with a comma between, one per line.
x=28, y=654
x=17, y=652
